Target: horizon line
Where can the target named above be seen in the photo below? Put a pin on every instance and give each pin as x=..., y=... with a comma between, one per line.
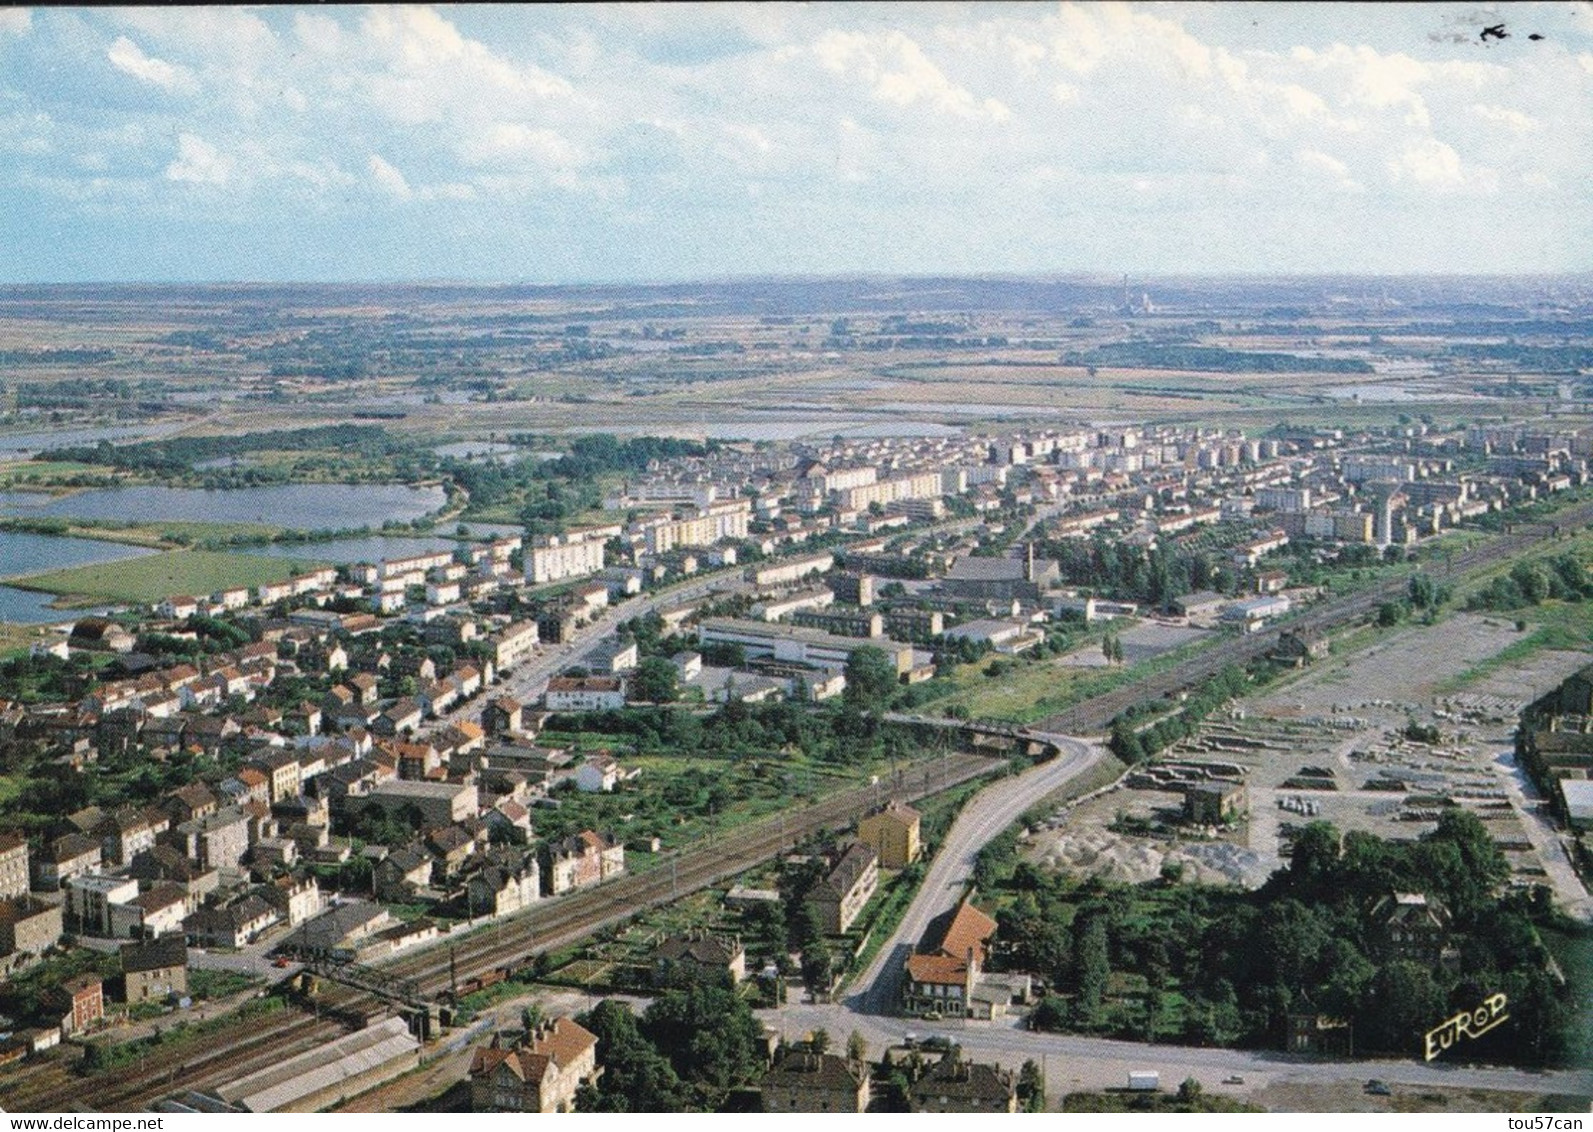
x=1104, y=276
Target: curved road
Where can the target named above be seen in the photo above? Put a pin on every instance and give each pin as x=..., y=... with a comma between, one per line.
x=989, y=812
x=1074, y=1063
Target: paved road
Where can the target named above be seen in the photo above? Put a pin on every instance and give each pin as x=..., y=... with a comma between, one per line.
x=527, y=681
x=990, y=811
x=1076, y=1063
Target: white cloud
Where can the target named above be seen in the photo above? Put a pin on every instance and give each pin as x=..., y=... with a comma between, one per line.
x=900, y=73
x=1335, y=170
x=516, y=143
x=15, y=21
x=199, y=162
x=127, y=56
x=1432, y=164
x=389, y=179
x=1501, y=115
x=318, y=33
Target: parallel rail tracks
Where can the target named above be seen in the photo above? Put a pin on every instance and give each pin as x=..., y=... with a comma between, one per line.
x=248, y=1046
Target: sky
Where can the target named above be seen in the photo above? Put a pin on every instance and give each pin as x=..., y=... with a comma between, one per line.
x=633, y=143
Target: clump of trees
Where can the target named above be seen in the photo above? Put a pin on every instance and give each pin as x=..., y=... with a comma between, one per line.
x=685, y=1052
x=1227, y=967
x=1561, y=578
x=1155, y=577
x=1133, y=741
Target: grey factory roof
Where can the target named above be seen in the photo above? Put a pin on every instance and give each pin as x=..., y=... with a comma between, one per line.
x=281, y=1085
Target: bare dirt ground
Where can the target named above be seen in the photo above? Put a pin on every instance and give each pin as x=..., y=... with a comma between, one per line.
x=1329, y=744
x=1142, y=641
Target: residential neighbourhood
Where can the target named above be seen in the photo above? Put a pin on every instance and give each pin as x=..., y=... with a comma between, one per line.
x=799, y=558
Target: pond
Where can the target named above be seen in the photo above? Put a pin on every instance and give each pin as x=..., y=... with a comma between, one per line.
x=22, y=553
x=308, y=507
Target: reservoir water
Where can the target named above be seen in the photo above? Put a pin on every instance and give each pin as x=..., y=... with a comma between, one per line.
x=308, y=507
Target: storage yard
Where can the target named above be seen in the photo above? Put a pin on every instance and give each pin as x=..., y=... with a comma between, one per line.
x=1312, y=749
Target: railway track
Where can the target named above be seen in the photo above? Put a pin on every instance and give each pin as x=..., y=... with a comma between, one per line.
x=59, y=1088
x=548, y=925
x=559, y=923
x=1094, y=715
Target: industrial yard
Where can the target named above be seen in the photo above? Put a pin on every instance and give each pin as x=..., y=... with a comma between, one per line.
x=1317, y=747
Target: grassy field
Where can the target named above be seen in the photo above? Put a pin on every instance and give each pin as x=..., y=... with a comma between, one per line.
x=158, y=576
x=15, y=638
x=1554, y=625
x=1034, y=690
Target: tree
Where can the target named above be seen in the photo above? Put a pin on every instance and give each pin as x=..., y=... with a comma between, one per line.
x=708, y=1033
x=1050, y=1013
x=636, y=1077
x=1031, y=1087
x=1094, y=963
x=818, y=967
x=819, y=1041
x=856, y=1048
x=656, y=681
x=870, y=679
x=1314, y=859
x=1189, y=1091
x=1401, y=1004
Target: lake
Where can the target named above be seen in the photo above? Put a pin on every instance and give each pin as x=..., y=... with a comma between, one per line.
x=17, y=445
x=22, y=553
x=309, y=507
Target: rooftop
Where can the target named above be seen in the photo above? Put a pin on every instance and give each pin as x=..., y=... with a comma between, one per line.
x=279, y=1086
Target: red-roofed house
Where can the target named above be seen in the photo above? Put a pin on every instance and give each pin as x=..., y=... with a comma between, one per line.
x=540, y=1076
x=940, y=976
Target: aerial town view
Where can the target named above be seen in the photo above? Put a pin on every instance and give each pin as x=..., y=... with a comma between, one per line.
x=970, y=559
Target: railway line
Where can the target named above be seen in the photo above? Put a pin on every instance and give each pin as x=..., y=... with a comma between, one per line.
x=1094, y=715
x=248, y=1046
x=56, y=1086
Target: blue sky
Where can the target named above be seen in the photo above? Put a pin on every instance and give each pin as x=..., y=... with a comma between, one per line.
x=620, y=143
